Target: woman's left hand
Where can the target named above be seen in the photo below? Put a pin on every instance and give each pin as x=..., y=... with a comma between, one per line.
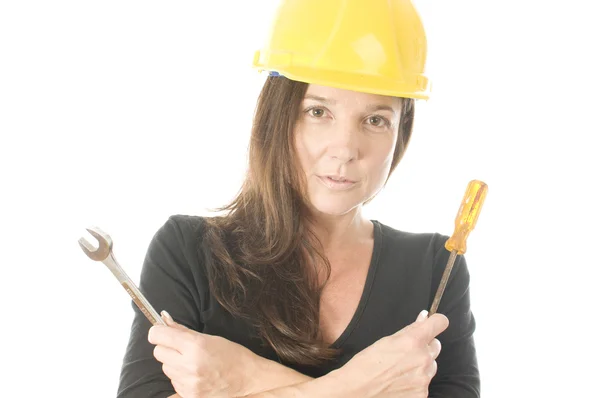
x=201, y=365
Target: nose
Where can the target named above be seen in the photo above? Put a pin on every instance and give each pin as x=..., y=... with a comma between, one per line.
x=343, y=143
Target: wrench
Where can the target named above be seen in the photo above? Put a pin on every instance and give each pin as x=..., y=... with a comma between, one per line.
x=104, y=254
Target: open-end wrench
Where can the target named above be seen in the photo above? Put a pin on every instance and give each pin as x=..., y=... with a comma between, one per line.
x=104, y=253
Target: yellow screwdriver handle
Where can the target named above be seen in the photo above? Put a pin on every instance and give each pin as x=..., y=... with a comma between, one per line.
x=467, y=216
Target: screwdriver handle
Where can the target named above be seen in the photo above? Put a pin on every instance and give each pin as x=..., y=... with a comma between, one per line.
x=467, y=216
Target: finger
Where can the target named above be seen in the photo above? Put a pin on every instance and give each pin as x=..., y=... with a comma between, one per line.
x=435, y=347
x=167, y=355
x=170, y=322
x=422, y=316
x=417, y=326
x=171, y=372
x=178, y=388
x=171, y=337
x=419, y=378
x=432, y=370
x=167, y=317
x=433, y=326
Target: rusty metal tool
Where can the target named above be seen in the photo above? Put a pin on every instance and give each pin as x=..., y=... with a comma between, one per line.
x=104, y=254
x=465, y=221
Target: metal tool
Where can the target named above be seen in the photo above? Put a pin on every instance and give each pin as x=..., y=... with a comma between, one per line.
x=464, y=223
x=104, y=254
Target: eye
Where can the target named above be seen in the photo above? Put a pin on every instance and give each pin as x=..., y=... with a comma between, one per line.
x=378, y=121
x=315, y=111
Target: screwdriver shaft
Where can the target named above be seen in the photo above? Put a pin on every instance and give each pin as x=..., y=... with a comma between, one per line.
x=443, y=282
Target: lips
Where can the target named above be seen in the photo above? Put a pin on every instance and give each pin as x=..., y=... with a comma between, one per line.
x=337, y=183
x=338, y=178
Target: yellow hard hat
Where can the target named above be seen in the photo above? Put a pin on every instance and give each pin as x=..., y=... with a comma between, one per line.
x=373, y=46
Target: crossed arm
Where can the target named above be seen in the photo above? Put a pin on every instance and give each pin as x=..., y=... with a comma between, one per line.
x=249, y=376
x=200, y=365
x=275, y=376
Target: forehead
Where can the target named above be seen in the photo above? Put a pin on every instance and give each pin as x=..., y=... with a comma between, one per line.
x=349, y=97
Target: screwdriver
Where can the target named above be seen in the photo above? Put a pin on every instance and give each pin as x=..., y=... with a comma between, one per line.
x=464, y=223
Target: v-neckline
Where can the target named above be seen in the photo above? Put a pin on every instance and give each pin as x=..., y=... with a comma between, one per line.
x=364, y=298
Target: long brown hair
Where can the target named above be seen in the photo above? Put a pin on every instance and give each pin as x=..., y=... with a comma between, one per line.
x=263, y=256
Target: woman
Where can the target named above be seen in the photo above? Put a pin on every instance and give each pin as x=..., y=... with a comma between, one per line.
x=293, y=292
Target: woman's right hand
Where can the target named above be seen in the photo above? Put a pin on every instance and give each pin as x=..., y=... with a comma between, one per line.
x=400, y=365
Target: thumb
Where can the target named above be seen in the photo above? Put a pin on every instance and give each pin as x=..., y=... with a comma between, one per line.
x=169, y=320
x=422, y=316
x=416, y=324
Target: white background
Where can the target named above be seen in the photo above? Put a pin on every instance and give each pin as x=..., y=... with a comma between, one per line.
x=121, y=113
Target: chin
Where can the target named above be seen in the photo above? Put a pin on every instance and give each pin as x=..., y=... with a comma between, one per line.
x=333, y=206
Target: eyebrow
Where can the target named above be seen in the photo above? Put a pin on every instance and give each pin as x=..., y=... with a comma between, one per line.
x=370, y=108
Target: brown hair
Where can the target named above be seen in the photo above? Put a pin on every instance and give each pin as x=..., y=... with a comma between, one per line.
x=263, y=255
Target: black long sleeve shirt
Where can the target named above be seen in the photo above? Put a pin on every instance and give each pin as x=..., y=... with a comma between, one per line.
x=404, y=273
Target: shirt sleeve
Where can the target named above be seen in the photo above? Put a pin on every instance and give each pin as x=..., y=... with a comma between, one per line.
x=167, y=283
x=458, y=372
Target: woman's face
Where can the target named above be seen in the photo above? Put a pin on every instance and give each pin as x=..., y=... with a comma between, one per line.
x=345, y=142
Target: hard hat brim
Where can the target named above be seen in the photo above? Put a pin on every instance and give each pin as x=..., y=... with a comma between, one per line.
x=416, y=86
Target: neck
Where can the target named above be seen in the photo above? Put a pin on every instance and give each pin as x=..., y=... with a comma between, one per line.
x=336, y=232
